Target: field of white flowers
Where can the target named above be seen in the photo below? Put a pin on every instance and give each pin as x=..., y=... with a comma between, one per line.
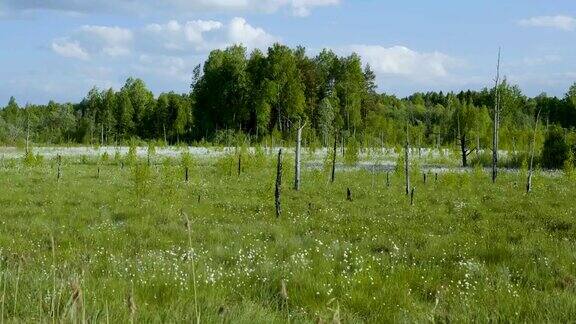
x=122, y=237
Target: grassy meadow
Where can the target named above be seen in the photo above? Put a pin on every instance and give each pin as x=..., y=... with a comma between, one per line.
x=118, y=240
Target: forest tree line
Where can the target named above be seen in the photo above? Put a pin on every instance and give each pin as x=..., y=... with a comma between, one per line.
x=268, y=95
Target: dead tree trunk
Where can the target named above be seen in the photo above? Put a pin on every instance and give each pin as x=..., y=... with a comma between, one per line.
x=463, y=142
x=297, y=162
x=59, y=167
x=278, y=183
x=407, y=161
x=239, y=164
x=165, y=138
x=496, y=124
x=532, y=149
x=27, y=134
x=334, y=158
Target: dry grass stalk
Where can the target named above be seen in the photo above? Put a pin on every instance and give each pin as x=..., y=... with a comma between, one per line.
x=191, y=253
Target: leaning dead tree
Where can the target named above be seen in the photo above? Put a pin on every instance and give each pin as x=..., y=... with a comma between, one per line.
x=407, y=160
x=532, y=149
x=278, y=183
x=496, y=124
x=297, y=162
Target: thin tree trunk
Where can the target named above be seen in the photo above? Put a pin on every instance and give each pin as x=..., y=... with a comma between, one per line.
x=477, y=145
x=239, y=164
x=278, y=183
x=27, y=134
x=59, y=172
x=297, y=162
x=334, y=158
x=464, y=151
x=496, y=123
x=531, y=170
x=165, y=139
x=407, y=161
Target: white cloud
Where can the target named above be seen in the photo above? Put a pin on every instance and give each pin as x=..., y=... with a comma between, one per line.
x=404, y=62
x=91, y=40
x=174, y=7
x=165, y=66
x=176, y=36
x=171, y=38
x=240, y=32
x=110, y=35
x=561, y=22
x=112, y=41
x=302, y=7
x=71, y=49
x=200, y=36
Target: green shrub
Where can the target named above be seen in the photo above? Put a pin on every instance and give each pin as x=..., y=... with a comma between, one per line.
x=141, y=175
x=569, y=164
x=556, y=149
x=132, y=156
x=31, y=159
x=105, y=157
x=351, y=152
x=483, y=159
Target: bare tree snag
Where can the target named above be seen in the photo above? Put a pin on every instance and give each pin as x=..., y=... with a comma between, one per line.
x=165, y=138
x=59, y=172
x=334, y=158
x=239, y=164
x=298, y=154
x=407, y=160
x=532, y=149
x=496, y=122
x=463, y=142
x=27, y=134
x=278, y=183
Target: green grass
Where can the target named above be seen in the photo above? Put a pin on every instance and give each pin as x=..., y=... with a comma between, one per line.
x=467, y=250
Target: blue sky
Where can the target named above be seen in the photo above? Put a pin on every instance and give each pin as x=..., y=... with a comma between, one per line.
x=59, y=49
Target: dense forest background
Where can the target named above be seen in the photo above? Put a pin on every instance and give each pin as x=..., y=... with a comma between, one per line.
x=261, y=96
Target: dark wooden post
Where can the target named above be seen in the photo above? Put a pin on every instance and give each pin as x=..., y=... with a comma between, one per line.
x=412, y=196
x=278, y=183
x=297, y=158
x=407, y=160
x=348, y=194
x=59, y=167
x=239, y=164
x=186, y=174
x=334, y=158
